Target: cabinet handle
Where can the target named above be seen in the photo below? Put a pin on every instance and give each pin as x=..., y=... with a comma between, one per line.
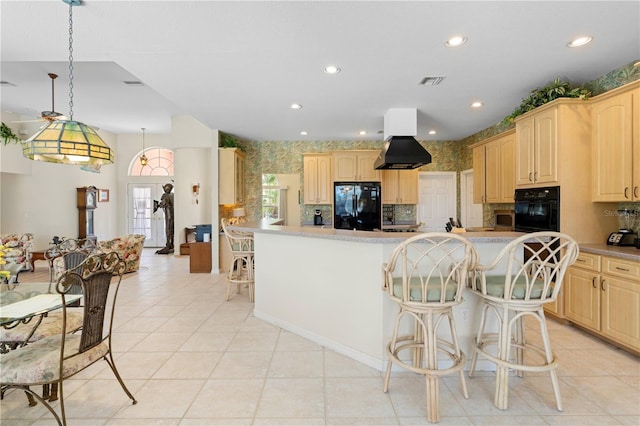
x=581, y=260
x=593, y=282
x=602, y=285
x=535, y=176
x=530, y=177
x=635, y=191
x=622, y=269
x=626, y=190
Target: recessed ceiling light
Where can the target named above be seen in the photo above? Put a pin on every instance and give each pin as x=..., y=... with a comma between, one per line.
x=432, y=132
x=295, y=106
x=580, y=41
x=476, y=104
x=332, y=69
x=363, y=132
x=303, y=133
x=456, y=41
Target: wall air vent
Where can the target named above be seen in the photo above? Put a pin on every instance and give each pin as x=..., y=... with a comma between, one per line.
x=133, y=83
x=431, y=81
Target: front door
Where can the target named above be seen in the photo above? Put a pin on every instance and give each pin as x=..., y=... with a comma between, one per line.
x=436, y=200
x=141, y=218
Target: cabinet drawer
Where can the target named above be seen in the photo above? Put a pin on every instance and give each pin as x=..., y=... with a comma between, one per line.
x=621, y=268
x=588, y=261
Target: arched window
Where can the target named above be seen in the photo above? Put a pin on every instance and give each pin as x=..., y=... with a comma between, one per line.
x=160, y=163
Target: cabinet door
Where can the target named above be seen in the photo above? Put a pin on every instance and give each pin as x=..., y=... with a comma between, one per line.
x=524, y=151
x=239, y=178
x=582, y=297
x=408, y=186
x=310, y=176
x=345, y=166
x=620, y=300
x=507, y=168
x=546, y=142
x=478, y=174
x=492, y=179
x=317, y=179
x=390, y=185
x=612, y=148
x=324, y=181
x=366, y=171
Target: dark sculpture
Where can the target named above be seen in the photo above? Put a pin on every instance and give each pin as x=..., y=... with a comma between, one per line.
x=166, y=203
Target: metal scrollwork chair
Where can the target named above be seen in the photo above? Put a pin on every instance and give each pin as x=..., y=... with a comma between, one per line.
x=426, y=275
x=242, y=259
x=56, y=358
x=525, y=275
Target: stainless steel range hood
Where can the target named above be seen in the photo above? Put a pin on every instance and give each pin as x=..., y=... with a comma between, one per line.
x=402, y=150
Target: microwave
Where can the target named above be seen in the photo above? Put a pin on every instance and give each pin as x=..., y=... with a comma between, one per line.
x=537, y=209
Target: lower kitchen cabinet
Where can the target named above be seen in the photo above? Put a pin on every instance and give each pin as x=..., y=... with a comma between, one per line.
x=602, y=294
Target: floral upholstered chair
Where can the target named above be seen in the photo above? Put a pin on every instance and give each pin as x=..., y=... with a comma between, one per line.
x=128, y=247
x=17, y=253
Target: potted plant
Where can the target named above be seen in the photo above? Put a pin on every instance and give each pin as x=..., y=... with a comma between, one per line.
x=229, y=141
x=542, y=95
x=7, y=134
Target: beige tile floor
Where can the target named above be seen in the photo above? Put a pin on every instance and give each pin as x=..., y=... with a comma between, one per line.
x=190, y=358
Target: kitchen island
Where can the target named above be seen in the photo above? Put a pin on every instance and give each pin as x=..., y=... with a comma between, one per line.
x=325, y=284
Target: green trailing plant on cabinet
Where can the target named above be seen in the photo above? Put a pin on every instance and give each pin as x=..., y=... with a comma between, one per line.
x=229, y=141
x=7, y=134
x=542, y=95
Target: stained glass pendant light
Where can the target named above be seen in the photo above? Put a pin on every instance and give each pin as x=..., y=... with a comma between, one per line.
x=68, y=141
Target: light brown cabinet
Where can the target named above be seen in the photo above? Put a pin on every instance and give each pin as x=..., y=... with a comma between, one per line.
x=355, y=166
x=616, y=145
x=317, y=178
x=230, y=176
x=536, y=148
x=399, y=186
x=494, y=169
x=602, y=294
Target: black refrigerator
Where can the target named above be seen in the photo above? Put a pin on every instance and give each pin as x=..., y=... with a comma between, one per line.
x=357, y=206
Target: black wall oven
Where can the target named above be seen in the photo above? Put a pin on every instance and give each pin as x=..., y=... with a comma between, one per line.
x=537, y=209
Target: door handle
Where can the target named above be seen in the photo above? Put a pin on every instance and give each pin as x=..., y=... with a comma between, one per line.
x=626, y=190
x=593, y=282
x=602, y=285
x=636, y=191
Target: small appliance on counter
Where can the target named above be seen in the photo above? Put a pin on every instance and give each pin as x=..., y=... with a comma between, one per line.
x=625, y=236
x=317, y=218
x=357, y=206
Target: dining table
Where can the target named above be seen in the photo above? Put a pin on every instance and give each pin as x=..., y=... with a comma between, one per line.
x=28, y=303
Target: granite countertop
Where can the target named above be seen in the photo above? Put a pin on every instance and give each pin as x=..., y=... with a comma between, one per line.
x=628, y=253
x=325, y=232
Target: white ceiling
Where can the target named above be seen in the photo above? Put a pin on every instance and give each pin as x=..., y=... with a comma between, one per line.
x=237, y=65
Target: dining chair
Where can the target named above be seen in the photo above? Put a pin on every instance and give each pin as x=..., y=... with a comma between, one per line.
x=241, y=269
x=525, y=275
x=425, y=275
x=56, y=358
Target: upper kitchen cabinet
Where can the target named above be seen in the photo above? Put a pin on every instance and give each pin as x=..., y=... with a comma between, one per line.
x=231, y=176
x=317, y=179
x=355, y=166
x=400, y=186
x=616, y=144
x=494, y=169
x=561, y=126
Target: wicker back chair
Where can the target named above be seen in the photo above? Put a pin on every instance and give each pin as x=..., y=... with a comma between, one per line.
x=525, y=275
x=56, y=358
x=242, y=259
x=426, y=275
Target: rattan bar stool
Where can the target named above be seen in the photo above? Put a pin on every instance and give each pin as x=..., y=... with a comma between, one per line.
x=241, y=270
x=426, y=275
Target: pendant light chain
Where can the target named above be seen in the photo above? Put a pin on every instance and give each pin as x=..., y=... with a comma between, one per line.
x=70, y=62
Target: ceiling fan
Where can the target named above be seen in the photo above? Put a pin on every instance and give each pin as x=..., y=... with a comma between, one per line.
x=49, y=115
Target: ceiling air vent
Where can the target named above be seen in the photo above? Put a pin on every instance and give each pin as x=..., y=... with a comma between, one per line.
x=6, y=83
x=133, y=83
x=431, y=81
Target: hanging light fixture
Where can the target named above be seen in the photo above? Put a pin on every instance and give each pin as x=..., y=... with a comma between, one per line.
x=143, y=158
x=68, y=141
